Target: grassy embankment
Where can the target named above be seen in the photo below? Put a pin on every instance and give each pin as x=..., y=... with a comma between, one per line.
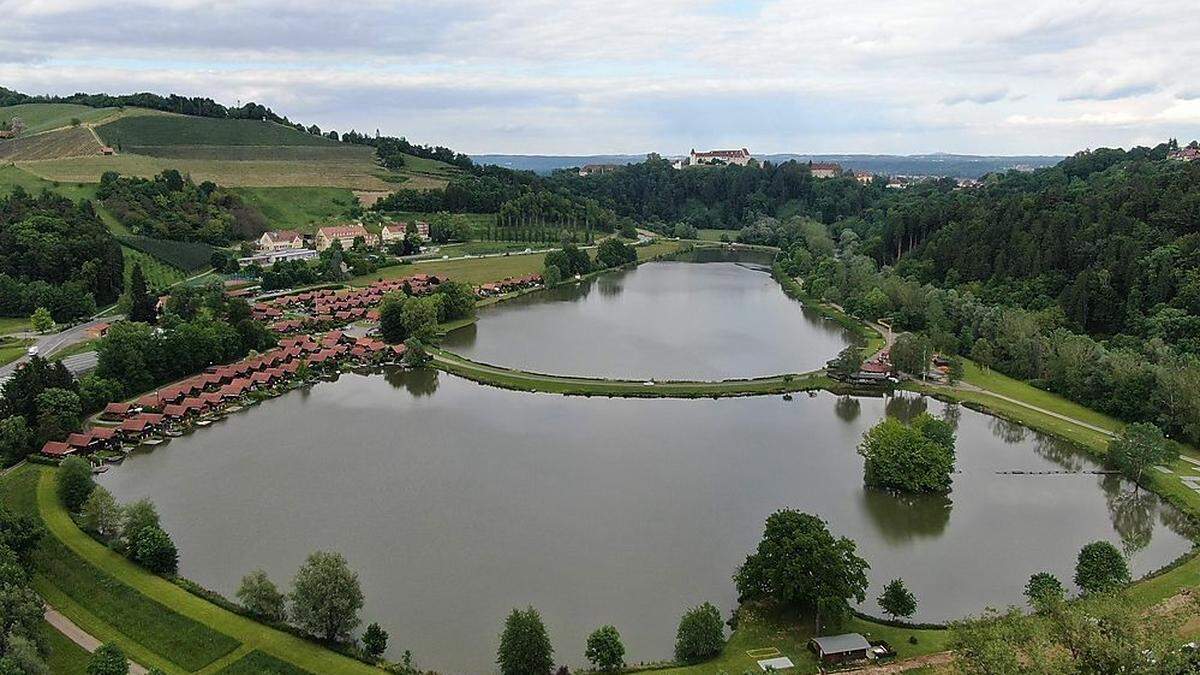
x=39, y=117
x=12, y=349
x=156, y=622
x=12, y=177
x=14, y=324
x=707, y=234
x=484, y=270
x=66, y=657
x=300, y=209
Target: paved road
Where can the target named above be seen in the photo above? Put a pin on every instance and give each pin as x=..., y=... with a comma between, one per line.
x=48, y=344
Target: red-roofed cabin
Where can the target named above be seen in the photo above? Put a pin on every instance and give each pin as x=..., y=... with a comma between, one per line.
x=174, y=412
x=57, y=449
x=81, y=441
x=116, y=411
x=104, y=435
x=153, y=401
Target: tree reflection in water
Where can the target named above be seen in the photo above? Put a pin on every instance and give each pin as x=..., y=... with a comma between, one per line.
x=1132, y=512
x=418, y=382
x=847, y=408
x=610, y=285
x=1009, y=432
x=903, y=519
x=1058, y=451
x=952, y=414
x=905, y=407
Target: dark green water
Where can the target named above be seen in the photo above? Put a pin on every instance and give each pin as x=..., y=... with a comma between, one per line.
x=667, y=320
x=456, y=502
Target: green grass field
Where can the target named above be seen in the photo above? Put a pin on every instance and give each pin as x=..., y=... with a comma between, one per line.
x=156, y=622
x=160, y=130
x=12, y=177
x=766, y=631
x=715, y=235
x=1007, y=386
x=303, y=209
x=260, y=663
x=12, y=349
x=484, y=270
x=14, y=324
x=66, y=657
x=40, y=117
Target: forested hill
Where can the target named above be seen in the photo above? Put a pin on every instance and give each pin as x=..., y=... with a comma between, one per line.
x=1111, y=236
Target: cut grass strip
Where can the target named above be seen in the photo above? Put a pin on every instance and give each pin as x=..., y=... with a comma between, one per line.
x=260, y=663
x=187, y=644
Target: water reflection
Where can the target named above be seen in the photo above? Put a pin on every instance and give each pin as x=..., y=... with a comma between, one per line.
x=952, y=414
x=1058, y=451
x=904, y=519
x=1009, y=432
x=847, y=408
x=1132, y=513
x=610, y=285
x=419, y=382
x=905, y=407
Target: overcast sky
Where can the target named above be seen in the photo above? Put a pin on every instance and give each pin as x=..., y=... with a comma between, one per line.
x=630, y=76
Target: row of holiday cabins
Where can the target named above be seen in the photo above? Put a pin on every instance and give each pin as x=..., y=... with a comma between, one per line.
x=218, y=387
x=332, y=306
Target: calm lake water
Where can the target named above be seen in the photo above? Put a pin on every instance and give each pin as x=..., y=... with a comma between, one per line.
x=457, y=502
x=668, y=320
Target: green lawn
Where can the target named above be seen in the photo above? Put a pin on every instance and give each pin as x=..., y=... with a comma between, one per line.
x=11, y=177
x=484, y=270
x=1007, y=386
x=45, y=116
x=260, y=663
x=715, y=235
x=66, y=657
x=14, y=324
x=299, y=208
x=762, y=632
x=156, y=622
x=12, y=349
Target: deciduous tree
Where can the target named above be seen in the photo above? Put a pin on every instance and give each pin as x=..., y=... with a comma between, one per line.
x=525, y=647
x=75, y=482
x=326, y=596
x=1100, y=567
x=259, y=594
x=700, y=635
x=896, y=600
x=605, y=650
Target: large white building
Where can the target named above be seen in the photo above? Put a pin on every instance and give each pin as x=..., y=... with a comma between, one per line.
x=280, y=240
x=740, y=157
x=396, y=231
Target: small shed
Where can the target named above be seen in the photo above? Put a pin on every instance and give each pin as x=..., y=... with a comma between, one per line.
x=838, y=649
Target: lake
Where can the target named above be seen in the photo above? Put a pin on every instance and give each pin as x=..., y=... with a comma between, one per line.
x=664, y=320
x=457, y=502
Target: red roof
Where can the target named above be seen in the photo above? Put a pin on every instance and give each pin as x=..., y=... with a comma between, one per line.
x=117, y=408
x=79, y=440
x=875, y=367
x=103, y=433
x=56, y=449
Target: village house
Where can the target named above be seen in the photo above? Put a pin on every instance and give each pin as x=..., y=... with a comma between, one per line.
x=864, y=177
x=824, y=169
x=1188, y=154
x=280, y=240
x=393, y=232
x=346, y=234
x=740, y=157
x=836, y=650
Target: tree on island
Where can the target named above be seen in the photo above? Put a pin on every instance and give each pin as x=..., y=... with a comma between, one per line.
x=525, y=647
x=605, y=650
x=1043, y=590
x=326, y=596
x=801, y=565
x=700, y=635
x=917, y=458
x=896, y=600
x=1139, y=447
x=1100, y=568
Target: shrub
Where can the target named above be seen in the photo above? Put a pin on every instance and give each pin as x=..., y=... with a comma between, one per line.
x=108, y=659
x=1043, y=590
x=259, y=595
x=75, y=482
x=1100, y=567
x=154, y=550
x=701, y=634
x=375, y=640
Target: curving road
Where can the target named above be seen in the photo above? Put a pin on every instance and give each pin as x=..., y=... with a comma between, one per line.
x=48, y=344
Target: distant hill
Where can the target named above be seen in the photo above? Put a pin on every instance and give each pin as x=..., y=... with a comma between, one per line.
x=957, y=166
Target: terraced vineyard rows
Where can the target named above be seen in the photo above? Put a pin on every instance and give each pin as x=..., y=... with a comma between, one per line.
x=73, y=142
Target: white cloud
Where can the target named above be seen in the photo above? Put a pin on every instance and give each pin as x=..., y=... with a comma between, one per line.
x=630, y=75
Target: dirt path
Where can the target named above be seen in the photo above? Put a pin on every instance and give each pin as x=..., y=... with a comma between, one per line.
x=1066, y=418
x=77, y=635
x=936, y=660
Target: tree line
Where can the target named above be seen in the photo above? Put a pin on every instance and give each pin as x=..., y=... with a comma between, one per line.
x=172, y=206
x=55, y=254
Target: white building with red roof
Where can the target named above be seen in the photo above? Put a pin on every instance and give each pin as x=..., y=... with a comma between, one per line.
x=346, y=234
x=280, y=240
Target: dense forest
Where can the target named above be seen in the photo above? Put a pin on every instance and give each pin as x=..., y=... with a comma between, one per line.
x=171, y=206
x=55, y=254
x=196, y=106
x=719, y=197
